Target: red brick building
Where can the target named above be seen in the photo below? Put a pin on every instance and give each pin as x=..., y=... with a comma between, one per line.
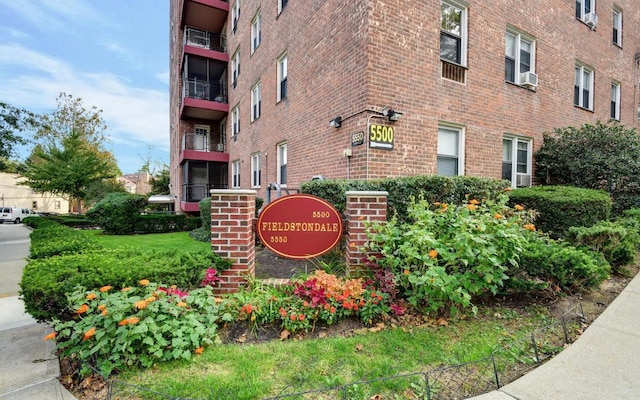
x=281, y=91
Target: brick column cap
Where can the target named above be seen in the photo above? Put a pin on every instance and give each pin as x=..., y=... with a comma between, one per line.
x=233, y=191
x=365, y=193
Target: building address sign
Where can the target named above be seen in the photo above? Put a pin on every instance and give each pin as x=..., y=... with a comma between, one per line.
x=381, y=137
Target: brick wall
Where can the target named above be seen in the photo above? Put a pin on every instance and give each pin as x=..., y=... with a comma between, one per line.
x=362, y=207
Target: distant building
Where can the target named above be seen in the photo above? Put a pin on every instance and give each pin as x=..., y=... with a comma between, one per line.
x=14, y=195
x=136, y=183
x=287, y=90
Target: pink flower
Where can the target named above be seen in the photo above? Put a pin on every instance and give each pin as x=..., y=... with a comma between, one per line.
x=211, y=278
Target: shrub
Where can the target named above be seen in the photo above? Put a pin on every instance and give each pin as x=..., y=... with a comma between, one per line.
x=445, y=254
x=600, y=156
x=117, y=213
x=38, y=222
x=136, y=326
x=560, y=265
x=45, y=282
x=451, y=190
x=561, y=207
x=203, y=233
x=616, y=242
x=52, y=239
x=159, y=223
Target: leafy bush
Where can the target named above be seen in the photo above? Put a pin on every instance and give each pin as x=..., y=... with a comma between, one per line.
x=73, y=221
x=616, y=242
x=38, y=222
x=45, y=282
x=203, y=233
x=600, y=156
x=117, y=213
x=52, y=239
x=451, y=190
x=136, y=326
x=559, y=265
x=561, y=207
x=445, y=254
x=160, y=223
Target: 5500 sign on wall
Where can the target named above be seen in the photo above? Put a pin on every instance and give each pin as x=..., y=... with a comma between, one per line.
x=381, y=136
x=299, y=226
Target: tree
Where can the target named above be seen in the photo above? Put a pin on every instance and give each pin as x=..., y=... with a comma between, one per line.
x=67, y=169
x=98, y=190
x=160, y=182
x=13, y=120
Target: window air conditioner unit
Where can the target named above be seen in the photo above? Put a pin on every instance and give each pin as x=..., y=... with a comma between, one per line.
x=529, y=79
x=591, y=19
x=220, y=147
x=523, y=180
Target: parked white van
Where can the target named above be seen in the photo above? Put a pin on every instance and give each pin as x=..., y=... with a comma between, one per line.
x=14, y=214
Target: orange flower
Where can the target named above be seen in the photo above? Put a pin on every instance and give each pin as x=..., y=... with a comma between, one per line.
x=436, y=203
x=150, y=299
x=332, y=310
x=282, y=312
x=433, y=254
x=89, y=334
x=182, y=304
x=305, y=303
x=353, y=245
x=301, y=317
x=471, y=207
x=219, y=300
x=529, y=227
x=292, y=317
x=141, y=304
x=133, y=320
x=124, y=322
x=126, y=289
x=406, y=272
x=474, y=202
x=91, y=296
x=51, y=336
x=144, y=282
x=83, y=309
x=497, y=216
x=102, y=307
x=199, y=350
x=104, y=312
x=518, y=207
x=105, y=289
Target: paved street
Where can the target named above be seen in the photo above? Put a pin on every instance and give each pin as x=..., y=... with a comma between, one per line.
x=14, y=248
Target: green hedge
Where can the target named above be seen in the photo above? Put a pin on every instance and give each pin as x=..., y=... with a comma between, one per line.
x=117, y=213
x=54, y=239
x=562, y=207
x=45, y=282
x=454, y=190
x=160, y=223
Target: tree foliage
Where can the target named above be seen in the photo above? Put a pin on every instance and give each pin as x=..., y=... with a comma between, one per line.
x=66, y=169
x=600, y=156
x=160, y=182
x=13, y=120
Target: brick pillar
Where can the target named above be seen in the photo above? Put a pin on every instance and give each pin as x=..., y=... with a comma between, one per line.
x=361, y=207
x=232, y=235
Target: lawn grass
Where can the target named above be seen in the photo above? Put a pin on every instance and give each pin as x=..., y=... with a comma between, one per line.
x=257, y=371
x=156, y=241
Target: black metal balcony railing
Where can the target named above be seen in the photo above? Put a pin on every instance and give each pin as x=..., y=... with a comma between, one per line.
x=194, y=192
x=203, y=90
x=205, y=39
x=200, y=142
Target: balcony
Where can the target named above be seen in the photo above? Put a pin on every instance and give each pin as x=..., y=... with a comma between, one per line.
x=192, y=193
x=210, y=15
x=205, y=40
x=203, y=147
x=204, y=100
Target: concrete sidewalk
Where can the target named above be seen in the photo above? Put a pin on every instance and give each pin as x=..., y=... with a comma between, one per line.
x=604, y=363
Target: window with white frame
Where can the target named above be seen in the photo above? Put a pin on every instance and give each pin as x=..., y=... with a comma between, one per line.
x=281, y=5
x=584, y=7
x=235, y=174
x=282, y=164
x=453, y=32
x=450, y=151
x=235, y=14
x=617, y=27
x=519, y=56
x=223, y=135
x=516, y=160
x=56, y=205
x=583, y=87
x=256, y=101
x=615, y=101
x=235, y=122
x=255, y=170
x=282, y=77
x=235, y=68
x=256, y=33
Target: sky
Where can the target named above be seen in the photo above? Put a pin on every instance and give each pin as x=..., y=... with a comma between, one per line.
x=112, y=54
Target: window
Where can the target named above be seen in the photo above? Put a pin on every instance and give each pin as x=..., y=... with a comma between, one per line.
x=282, y=164
x=282, y=77
x=235, y=68
x=450, y=151
x=255, y=170
x=519, y=56
x=615, y=101
x=583, y=87
x=34, y=204
x=256, y=33
x=235, y=14
x=516, y=160
x=256, y=100
x=453, y=33
x=617, y=27
x=281, y=5
x=56, y=204
x=235, y=122
x=584, y=7
x=235, y=174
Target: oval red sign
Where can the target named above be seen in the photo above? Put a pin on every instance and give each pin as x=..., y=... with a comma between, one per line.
x=299, y=226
